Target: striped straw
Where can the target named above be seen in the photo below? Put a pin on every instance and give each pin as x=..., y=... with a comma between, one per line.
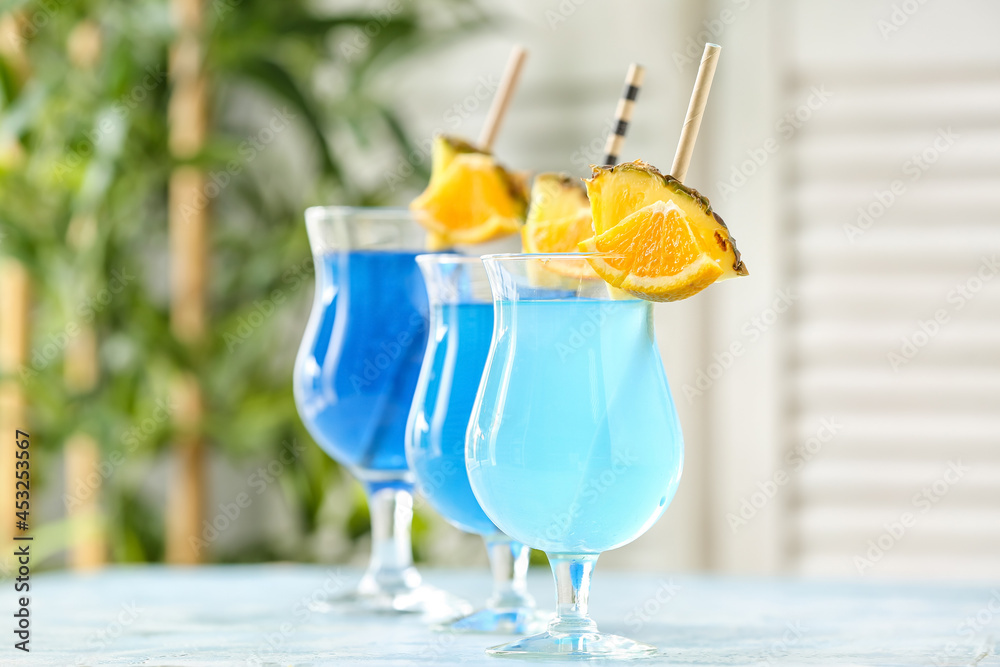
x=623, y=114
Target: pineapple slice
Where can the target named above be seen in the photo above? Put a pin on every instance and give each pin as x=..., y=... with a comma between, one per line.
x=616, y=193
x=444, y=150
x=558, y=219
x=470, y=198
x=555, y=196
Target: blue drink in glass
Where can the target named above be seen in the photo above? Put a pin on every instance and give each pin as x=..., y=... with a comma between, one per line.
x=461, y=327
x=588, y=383
x=354, y=378
x=441, y=408
x=574, y=446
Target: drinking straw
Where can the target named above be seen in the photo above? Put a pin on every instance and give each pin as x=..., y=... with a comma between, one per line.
x=502, y=98
x=623, y=113
x=498, y=107
x=696, y=108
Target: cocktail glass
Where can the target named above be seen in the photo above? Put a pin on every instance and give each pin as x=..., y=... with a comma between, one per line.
x=573, y=446
x=461, y=326
x=354, y=378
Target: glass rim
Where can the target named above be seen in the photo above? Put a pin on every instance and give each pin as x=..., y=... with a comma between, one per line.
x=370, y=211
x=546, y=256
x=448, y=258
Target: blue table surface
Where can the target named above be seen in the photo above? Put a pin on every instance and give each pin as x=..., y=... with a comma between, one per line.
x=256, y=615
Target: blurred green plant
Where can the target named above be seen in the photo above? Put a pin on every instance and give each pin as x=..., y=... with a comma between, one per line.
x=84, y=166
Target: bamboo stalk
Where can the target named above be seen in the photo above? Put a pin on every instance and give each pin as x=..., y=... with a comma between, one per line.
x=88, y=546
x=15, y=295
x=186, y=502
x=81, y=452
x=82, y=458
x=188, y=220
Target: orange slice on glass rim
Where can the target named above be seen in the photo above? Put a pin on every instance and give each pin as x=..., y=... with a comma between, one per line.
x=662, y=239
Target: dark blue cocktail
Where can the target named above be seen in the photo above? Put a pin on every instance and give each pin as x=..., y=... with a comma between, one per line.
x=355, y=375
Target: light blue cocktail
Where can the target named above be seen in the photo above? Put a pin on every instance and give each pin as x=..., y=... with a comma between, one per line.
x=574, y=446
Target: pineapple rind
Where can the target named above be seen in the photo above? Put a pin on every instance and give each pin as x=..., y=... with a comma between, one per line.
x=699, y=201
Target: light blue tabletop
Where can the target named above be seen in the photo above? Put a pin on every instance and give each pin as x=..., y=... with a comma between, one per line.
x=257, y=615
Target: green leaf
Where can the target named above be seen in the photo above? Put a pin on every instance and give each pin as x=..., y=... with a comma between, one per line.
x=276, y=78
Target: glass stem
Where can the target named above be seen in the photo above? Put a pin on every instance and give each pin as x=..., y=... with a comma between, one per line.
x=572, y=573
x=390, y=570
x=509, y=565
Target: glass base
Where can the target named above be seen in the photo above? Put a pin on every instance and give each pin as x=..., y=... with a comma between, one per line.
x=573, y=645
x=499, y=621
x=431, y=602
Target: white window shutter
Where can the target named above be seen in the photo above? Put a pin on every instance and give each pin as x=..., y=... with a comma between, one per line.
x=894, y=222
x=886, y=280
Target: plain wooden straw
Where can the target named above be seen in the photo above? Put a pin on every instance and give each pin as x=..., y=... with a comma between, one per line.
x=502, y=98
x=692, y=121
x=623, y=113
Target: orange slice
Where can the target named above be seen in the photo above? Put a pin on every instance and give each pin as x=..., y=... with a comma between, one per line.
x=619, y=191
x=667, y=242
x=470, y=198
x=654, y=255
